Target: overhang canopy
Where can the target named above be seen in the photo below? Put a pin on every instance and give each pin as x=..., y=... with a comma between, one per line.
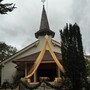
x=31, y=58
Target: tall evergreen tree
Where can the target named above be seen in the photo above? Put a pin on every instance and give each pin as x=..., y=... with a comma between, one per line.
x=72, y=55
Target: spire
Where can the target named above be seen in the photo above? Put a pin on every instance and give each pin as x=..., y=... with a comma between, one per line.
x=44, y=21
x=44, y=26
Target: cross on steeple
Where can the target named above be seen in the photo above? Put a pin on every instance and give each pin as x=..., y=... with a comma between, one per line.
x=43, y=1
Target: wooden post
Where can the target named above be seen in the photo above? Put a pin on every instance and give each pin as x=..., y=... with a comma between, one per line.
x=35, y=76
x=58, y=71
x=25, y=69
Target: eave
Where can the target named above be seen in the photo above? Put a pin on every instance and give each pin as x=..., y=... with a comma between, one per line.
x=34, y=44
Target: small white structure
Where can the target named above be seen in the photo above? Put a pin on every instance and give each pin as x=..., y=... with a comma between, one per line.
x=25, y=58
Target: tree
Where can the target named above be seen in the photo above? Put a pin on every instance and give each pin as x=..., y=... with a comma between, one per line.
x=8, y=7
x=72, y=56
x=6, y=51
x=88, y=69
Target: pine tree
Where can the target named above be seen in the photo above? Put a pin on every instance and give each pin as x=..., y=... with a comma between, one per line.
x=72, y=56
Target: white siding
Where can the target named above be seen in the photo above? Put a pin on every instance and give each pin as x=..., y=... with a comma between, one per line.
x=8, y=71
x=38, y=47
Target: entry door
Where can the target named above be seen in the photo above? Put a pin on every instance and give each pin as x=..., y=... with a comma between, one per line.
x=47, y=70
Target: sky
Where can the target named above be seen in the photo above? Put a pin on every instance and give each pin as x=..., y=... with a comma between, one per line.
x=17, y=28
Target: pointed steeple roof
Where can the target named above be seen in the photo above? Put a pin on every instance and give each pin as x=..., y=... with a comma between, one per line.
x=44, y=26
x=44, y=21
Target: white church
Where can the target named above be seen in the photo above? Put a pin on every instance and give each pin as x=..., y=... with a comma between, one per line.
x=41, y=58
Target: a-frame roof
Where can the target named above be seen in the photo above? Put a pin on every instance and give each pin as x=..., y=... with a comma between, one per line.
x=28, y=47
x=33, y=57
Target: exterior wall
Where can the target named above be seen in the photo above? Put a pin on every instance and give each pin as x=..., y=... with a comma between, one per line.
x=56, y=48
x=33, y=49
x=8, y=71
x=28, y=52
x=88, y=57
x=42, y=41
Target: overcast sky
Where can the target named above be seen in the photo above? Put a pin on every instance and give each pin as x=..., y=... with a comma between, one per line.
x=18, y=27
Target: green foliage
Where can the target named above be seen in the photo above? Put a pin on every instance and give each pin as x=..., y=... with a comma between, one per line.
x=32, y=86
x=8, y=7
x=6, y=51
x=6, y=85
x=18, y=76
x=88, y=70
x=72, y=55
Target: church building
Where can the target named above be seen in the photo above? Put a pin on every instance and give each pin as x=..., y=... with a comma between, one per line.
x=42, y=58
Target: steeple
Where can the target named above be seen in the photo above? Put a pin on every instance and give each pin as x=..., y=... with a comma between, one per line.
x=44, y=26
x=44, y=21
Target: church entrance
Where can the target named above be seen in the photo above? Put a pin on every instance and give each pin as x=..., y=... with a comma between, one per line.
x=47, y=70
